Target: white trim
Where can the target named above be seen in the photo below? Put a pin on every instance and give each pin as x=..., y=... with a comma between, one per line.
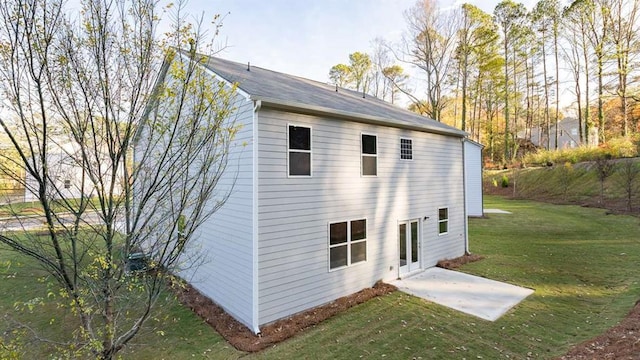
x=223, y=80
x=302, y=108
x=368, y=155
x=441, y=221
x=418, y=251
x=310, y=151
x=411, y=140
x=255, y=311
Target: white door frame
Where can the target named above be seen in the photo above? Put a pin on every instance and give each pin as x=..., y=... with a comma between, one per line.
x=409, y=246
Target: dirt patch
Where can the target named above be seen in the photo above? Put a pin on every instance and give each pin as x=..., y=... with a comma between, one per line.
x=459, y=261
x=620, y=342
x=240, y=337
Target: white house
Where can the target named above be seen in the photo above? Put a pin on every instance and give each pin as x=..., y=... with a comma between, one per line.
x=568, y=135
x=333, y=192
x=68, y=177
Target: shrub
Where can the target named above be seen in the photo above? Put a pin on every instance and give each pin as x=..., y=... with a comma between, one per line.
x=504, y=182
x=621, y=148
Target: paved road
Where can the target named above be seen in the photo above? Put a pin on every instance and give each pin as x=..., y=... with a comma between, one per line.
x=35, y=222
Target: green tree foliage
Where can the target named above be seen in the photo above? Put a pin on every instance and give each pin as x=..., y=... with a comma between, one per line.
x=396, y=80
x=340, y=75
x=356, y=75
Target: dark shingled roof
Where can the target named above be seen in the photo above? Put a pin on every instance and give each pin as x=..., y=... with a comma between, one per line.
x=277, y=89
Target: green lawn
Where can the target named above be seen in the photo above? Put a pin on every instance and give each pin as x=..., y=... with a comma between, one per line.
x=582, y=263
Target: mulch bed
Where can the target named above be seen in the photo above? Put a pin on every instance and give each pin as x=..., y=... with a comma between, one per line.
x=620, y=342
x=240, y=337
x=459, y=261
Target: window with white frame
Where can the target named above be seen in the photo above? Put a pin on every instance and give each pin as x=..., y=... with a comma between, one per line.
x=299, y=150
x=369, y=155
x=347, y=243
x=443, y=221
x=406, y=149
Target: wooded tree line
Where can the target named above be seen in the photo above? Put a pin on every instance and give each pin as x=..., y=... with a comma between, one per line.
x=510, y=76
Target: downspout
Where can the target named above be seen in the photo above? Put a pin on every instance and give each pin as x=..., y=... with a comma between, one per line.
x=464, y=197
x=255, y=316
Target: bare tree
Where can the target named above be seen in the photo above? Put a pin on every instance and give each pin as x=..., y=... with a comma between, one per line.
x=624, y=29
x=380, y=59
x=604, y=169
x=628, y=178
x=509, y=15
x=429, y=44
x=88, y=85
x=576, y=54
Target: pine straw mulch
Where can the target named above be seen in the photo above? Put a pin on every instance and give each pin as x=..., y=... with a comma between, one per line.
x=619, y=342
x=240, y=337
x=459, y=261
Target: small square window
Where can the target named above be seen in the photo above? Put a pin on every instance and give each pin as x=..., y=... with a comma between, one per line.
x=406, y=149
x=67, y=184
x=443, y=220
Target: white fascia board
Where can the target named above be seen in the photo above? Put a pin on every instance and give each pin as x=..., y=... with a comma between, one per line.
x=323, y=111
x=220, y=78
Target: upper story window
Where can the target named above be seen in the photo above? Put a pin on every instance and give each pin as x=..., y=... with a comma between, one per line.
x=443, y=221
x=369, y=155
x=299, y=150
x=406, y=149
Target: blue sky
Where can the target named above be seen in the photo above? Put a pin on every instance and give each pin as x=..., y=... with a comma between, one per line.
x=307, y=37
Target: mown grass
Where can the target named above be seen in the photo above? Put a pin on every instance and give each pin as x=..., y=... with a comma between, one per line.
x=581, y=263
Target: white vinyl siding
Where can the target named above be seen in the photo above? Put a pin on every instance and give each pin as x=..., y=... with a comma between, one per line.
x=223, y=269
x=294, y=213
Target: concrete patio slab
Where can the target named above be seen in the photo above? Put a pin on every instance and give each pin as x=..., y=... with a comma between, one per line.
x=474, y=295
x=496, y=211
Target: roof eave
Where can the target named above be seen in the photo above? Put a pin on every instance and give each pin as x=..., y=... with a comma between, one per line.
x=368, y=119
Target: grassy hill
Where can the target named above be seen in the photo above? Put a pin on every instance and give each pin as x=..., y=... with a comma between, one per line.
x=605, y=183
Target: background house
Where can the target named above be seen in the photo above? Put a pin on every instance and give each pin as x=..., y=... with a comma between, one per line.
x=68, y=178
x=568, y=135
x=331, y=192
